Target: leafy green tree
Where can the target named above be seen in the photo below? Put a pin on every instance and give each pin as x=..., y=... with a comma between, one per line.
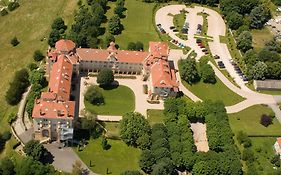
x=132, y=126
x=32, y=66
x=94, y=95
x=54, y=37
x=17, y=87
x=38, y=55
x=114, y=25
x=146, y=161
x=59, y=24
x=35, y=150
x=250, y=57
x=208, y=74
x=234, y=20
x=259, y=16
x=15, y=41
x=7, y=167
x=164, y=167
x=108, y=39
x=189, y=71
x=244, y=41
x=273, y=70
x=144, y=142
x=3, y=12
x=248, y=155
x=119, y=10
x=258, y=71
x=38, y=77
x=89, y=122
x=105, y=77
x=139, y=46
x=131, y=46
x=267, y=55
x=104, y=144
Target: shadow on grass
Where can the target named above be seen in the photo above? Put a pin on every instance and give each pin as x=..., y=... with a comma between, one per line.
x=114, y=85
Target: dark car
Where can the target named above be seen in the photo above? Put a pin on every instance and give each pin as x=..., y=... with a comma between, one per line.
x=172, y=27
x=217, y=57
x=175, y=30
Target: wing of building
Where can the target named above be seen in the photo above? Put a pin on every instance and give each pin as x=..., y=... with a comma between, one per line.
x=53, y=113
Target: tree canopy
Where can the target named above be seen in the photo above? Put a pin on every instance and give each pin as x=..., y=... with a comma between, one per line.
x=105, y=77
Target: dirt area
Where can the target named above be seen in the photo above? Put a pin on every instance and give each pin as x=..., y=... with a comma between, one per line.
x=200, y=137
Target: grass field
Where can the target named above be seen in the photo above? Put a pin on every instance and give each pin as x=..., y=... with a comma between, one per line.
x=117, y=101
x=112, y=128
x=155, y=116
x=248, y=121
x=138, y=24
x=260, y=37
x=216, y=91
x=117, y=159
x=29, y=23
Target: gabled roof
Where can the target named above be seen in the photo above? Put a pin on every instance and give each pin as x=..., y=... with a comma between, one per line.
x=159, y=49
x=60, y=78
x=278, y=140
x=65, y=45
x=120, y=55
x=53, y=109
x=162, y=75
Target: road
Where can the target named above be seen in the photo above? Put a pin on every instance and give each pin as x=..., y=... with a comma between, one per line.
x=216, y=28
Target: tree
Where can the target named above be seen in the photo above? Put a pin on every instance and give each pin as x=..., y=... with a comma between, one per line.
x=144, y=142
x=234, y=20
x=59, y=24
x=38, y=77
x=54, y=37
x=14, y=41
x=244, y=41
x=35, y=150
x=189, y=71
x=114, y=25
x=248, y=155
x=131, y=173
x=208, y=74
x=266, y=120
x=32, y=66
x=38, y=55
x=258, y=71
x=146, y=161
x=250, y=57
x=119, y=10
x=3, y=12
x=139, y=46
x=7, y=167
x=13, y=5
x=132, y=126
x=94, y=95
x=105, y=77
x=17, y=87
x=104, y=144
x=267, y=55
x=89, y=122
x=164, y=167
x=259, y=16
x=131, y=46
x=108, y=39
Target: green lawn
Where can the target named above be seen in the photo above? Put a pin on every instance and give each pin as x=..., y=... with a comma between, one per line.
x=29, y=23
x=217, y=91
x=112, y=129
x=117, y=159
x=248, y=121
x=138, y=24
x=117, y=101
x=275, y=92
x=155, y=116
x=179, y=20
x=260, y=37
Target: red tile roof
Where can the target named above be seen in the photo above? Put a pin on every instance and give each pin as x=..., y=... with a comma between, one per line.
x=65, y=45
x=120, y=55
x=53, y=109
x=278, y=140
x=162, y=75
x=159, y=49
x=60, y=78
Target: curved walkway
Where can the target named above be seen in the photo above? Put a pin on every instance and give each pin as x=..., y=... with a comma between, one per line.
x=216, y=28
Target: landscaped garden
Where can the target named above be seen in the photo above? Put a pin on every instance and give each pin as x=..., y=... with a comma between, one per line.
x=248, y=121
x=117, y=101
x=115, y=160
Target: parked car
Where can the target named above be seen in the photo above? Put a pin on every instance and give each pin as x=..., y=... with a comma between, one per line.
x=217, y=57
x=175, y=30
x=172, y=27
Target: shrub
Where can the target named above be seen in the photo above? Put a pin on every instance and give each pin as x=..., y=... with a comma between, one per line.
x=14, y=41
x=275, y=160
x=104, y=144
x=11, y=118
x=248, y=155
x=94, y=96
x=13, y=5
x=38, y=55
x=3, y=12
x=32, y=66
x=105, y=77
x=131, y=46
x=6, y=135
x=265, y=120
x=208, y=74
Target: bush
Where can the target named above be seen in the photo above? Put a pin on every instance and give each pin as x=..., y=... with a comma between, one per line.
x=248, y=155
x=105, y=77
x=131, y=46
x=11, y=118
x=32, y=66
x=275, y=160
x=104, y=144
x=208, y=74
x=266, y=120
x=14, y=41
x=4, y=12
x=38, y=55
x=6, y=135
x=13, y=5
x=94, y=96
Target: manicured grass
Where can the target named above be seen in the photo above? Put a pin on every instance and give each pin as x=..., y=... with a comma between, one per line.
x=205, y=23
x=248, y=121
x=155, y=116
x=261, y=37
x=117, y=159
x=112, y=128
x=138, y=24
x=179, y=20
x=30, y=23
x=117, y=101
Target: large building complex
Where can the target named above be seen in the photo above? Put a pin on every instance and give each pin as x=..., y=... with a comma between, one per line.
x=53, y=113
